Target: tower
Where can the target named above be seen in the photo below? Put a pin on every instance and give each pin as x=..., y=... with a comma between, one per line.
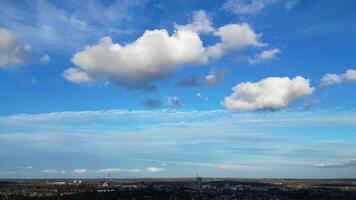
x=199, y=182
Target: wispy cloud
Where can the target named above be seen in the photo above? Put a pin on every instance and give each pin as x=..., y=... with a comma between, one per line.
x=247, y=7
x=109, y=170
x=113, y=119
x=53, y=171
x=348, y=163
x=208, y=139
x=118, y=170
x=48, y=25
x=265, y=55
x=80, y=171
x=154, y=169
x=289, y=4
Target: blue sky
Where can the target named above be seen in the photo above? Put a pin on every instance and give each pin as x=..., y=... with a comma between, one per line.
x=234, y=88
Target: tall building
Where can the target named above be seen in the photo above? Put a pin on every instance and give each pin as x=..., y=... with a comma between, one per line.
x=199, y=183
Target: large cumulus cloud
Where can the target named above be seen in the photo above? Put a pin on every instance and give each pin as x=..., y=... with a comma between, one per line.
x=270, y=93
x=154, y=55
x=150, y=57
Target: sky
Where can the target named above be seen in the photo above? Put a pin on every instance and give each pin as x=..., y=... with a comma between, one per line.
x=153, y=88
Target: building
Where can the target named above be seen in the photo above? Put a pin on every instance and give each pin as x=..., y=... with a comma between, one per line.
x=199, y=183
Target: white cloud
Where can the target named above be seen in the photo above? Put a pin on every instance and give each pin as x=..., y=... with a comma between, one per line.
x=12, y=53
x=118, y=170
x=350, y=75
x=134, y=170
x=151, y=57
x=269, y=93
x=215, y=77
x=77, y=75
x=348, y=163
x=131, y=170
x=24, y=167
x=156, y=54
x=200, y=24
x=332, y=79
x=154, y=169
x=246, y=7
x=79, y=171
x=45, y=58
x=234, y=36
x=109, y=170
x=265, y=55
x=53, y=171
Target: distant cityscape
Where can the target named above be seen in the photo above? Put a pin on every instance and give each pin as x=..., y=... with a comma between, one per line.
x=181, y=188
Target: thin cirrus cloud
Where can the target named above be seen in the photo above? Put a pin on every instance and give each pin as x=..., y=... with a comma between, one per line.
x=109, y=170
x=290, y=4
x=160, y=136
x=349, y=163
x=50, y=25
x=156, y=54
x=247, y=7
x=53, y=171
x=332, y=79
x=11, y=52
x=151, y=169
x=80, y=171
x=271, y=93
